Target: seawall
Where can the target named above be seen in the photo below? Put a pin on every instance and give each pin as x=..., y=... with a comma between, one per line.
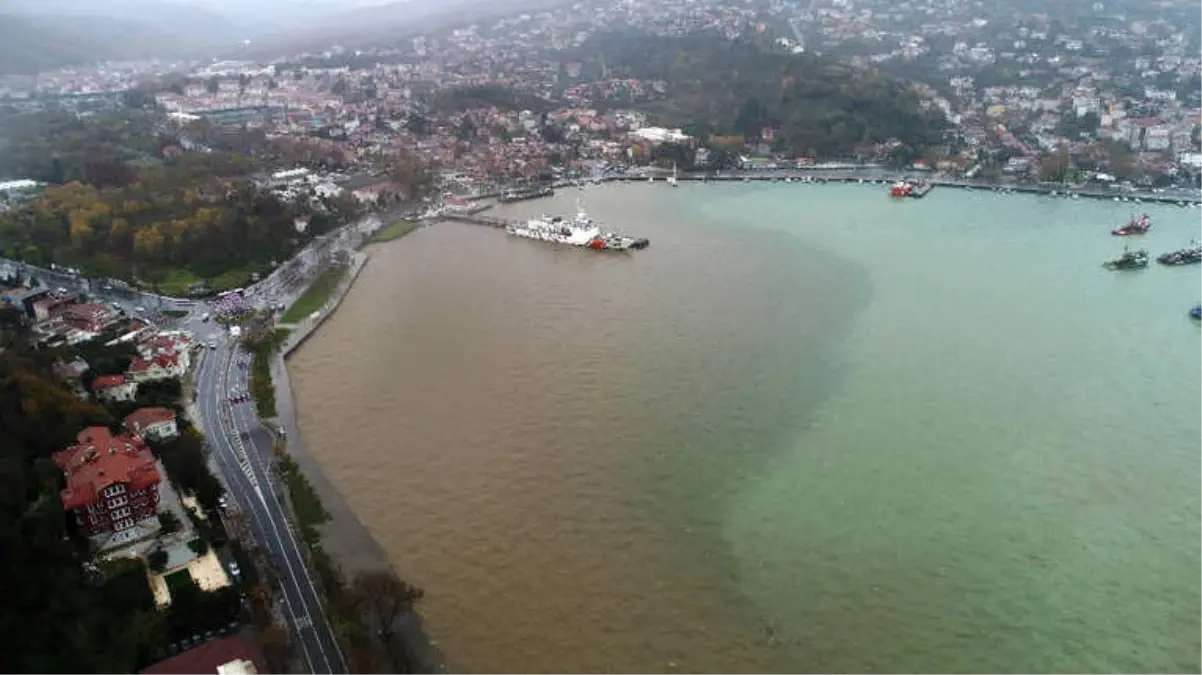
x=344, y=537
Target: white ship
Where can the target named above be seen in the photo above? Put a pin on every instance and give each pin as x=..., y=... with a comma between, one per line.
x=579, y=231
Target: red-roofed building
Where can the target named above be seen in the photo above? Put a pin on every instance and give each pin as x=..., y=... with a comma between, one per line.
x=88, y=317
x=112, y=481
x=371, y=193
x=154, y=423
x=50, y=305
x=158, y=367
x=228, y=656
x=114, y=388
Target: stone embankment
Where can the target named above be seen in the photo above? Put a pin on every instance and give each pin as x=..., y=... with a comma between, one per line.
x=343, y=537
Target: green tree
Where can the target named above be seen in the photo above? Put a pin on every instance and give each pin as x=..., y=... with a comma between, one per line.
x=156, y=560
x=168, y=522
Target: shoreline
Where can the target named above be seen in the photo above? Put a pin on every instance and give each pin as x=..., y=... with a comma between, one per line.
x=881, y=175
x=345, y=539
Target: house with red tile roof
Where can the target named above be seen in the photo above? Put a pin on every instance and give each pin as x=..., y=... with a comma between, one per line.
x=114, y=388
x=112, y=481
x=156, y=424
x=228, y=656
x=88, y=317
x=159, y=367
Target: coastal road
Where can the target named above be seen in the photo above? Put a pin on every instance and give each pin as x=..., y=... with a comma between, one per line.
x=242, y=451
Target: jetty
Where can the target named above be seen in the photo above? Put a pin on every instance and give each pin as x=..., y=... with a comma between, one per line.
x=477, y=218
x=524, y=192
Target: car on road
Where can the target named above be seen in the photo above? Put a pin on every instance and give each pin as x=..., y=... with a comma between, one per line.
x=223, y=502
x=235, y=570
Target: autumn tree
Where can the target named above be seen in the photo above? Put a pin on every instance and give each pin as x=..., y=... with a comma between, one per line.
x=1054, y=167
x=382, y=599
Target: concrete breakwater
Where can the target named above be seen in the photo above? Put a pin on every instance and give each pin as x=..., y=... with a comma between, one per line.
x=870, y=175
x=963, y=184
x=344, y=536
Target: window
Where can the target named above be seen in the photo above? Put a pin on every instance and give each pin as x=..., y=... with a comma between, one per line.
x=114, y=490
x=123, y=524
x=118, y=501
x=120, y=513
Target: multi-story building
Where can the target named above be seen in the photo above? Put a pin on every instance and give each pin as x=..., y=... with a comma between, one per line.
x=112, y=481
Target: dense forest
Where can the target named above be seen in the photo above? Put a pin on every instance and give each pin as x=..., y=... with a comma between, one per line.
x=816, y=105
x=121, y=204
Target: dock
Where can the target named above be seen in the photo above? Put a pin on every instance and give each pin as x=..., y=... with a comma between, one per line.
x=477, y=219
x=921, y=190
x=518, y=194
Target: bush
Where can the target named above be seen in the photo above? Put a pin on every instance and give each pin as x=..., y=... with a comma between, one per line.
x=157, y=560
x=199, y=546
x=168, y=522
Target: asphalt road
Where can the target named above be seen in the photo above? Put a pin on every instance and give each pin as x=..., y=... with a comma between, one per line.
x=241, y=445
x=242, y=451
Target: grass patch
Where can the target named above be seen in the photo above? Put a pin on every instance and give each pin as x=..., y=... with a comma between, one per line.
x=178, y=581
x=394, y=230
x=310, y=512
x=179, y=282
x=261, y=388
x=175, y=313
x=316, y=296
x=230, y=279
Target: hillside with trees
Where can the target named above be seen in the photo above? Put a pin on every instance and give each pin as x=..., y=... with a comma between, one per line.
x=121, y=205
x=816, y=105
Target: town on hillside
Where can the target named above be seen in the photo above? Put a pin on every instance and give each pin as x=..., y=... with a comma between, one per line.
x=171, y=227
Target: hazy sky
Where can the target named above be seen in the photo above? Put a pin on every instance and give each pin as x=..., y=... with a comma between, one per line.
x=234, y=9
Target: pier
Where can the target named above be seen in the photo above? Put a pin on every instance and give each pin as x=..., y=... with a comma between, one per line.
x=883, y=177
x=476, y=219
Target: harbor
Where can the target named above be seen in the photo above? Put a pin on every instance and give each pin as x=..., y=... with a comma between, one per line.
x=558, y=388
x=884, y=177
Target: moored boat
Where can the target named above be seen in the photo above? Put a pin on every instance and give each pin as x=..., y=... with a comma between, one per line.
x=1196, y=312
x=1190, y=255
x=1135, y=226
x=579, y=231
x=1129, y=260
x=905, y=188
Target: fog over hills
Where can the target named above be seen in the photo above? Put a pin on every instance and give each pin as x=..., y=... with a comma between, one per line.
x=40, y=35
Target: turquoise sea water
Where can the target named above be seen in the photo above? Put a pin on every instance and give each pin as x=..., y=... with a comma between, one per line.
x=1007, y=478
x=811, y=429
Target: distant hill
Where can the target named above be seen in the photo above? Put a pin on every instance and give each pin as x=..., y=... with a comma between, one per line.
x=386, y=24
x=37, y=37
x=717, y=86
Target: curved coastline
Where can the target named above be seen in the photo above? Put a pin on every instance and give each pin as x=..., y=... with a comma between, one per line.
x=344, y=537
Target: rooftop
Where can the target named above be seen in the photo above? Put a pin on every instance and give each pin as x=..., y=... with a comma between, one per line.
x=107, y=381
x=143, y=418
x=100, y=460
x=227, y=655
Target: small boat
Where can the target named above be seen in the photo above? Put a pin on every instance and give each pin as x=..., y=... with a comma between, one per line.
x=1196, y=312
x=1139, y=225
x=1129, y=260
x=905, y=188
x=1190, y=255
